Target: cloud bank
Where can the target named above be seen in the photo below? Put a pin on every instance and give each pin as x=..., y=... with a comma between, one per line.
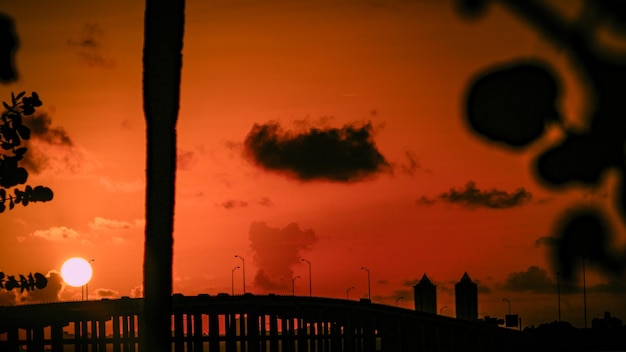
x=277, y=251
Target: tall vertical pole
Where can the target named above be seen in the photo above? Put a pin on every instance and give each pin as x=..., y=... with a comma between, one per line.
x=293, y=285
x=232, y=279
x=369, y=291
x=310, y=285
x=584, y=293
x=558, y=292
x=243, y=269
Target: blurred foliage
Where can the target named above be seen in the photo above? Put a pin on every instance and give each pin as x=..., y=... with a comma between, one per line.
x=512, y=104
x=13, y=132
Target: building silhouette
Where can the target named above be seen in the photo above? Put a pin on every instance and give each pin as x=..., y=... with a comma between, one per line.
x=466, y=297
x=425, y=295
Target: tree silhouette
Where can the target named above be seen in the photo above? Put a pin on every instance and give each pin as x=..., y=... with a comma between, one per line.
x=513, y=103
x=162, y=62
x=12, y=132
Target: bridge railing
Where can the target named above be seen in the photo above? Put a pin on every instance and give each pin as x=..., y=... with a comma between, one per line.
x=247, y=323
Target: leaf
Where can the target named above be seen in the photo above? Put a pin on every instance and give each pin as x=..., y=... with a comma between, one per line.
x=23, y=131
x=20, y=151
x=6, y=106
x=20, y=95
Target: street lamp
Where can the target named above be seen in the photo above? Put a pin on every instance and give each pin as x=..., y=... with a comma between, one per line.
x=310, y=287
x=293, y=285
x=441, y=310
x=348, y=292
x=509, y=302
x=87, y=283
x=397, y=299
x=232, y=277
x=243, y=269
x=369, y=291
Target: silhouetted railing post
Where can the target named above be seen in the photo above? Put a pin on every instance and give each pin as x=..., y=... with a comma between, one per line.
x=273, y=332
x=252, y=332
x=214, y=332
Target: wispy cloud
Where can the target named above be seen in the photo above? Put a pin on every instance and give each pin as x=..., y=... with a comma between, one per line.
x=472, y=197
x=99, y=223
x=57, y=234
x=231, y=204
x=90, y=47
x=346, y=154
x=185, y=159
x=123, y=186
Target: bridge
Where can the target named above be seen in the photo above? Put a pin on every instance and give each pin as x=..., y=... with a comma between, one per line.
x=246, y=323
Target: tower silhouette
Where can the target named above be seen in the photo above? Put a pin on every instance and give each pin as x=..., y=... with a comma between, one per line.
x=425, y=294
x=466, y=297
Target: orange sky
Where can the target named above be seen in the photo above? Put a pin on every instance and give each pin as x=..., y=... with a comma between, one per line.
x=402, y=66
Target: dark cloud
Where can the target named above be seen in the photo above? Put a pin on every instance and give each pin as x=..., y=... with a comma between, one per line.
x=535, y=280
x=107, y=293
x=43, y=136
x=230, y=204
x=266, y=202
x=90, y=46
x=613, y=286
x=48, y=294
x=40, y=125
x=277, y=251
x=8, y=298
x=348, y=154
x=547, y=241
x=471, y=197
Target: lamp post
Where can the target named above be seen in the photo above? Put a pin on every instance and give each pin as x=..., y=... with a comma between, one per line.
x=243, y=269
x=509, y=302
x=87, y=283
x=293, y=285
x=369, y=291
x=348, y=292
x=310, y=286
x=558, y=292
x=232, y=278
x=584, y=292
x=397, y=299
x=441, y=310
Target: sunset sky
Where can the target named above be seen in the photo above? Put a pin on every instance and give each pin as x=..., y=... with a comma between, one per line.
x=424, y=196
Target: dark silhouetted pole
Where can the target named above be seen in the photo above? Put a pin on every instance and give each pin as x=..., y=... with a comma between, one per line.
x=584, y=293
x=441, y=310
x=558, y=292
x=509, y=302
x=232, y=278
x=369, y=291
x=397, y=299
x=162, y=62
x=243, y=269
x=310, y=286
x=348, y=292
x=87, y=283
x=293, y=285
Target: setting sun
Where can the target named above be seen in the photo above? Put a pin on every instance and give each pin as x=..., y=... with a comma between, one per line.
x=76, y=272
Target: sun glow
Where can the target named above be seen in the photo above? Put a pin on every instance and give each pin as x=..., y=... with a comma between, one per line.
x=76, y=272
